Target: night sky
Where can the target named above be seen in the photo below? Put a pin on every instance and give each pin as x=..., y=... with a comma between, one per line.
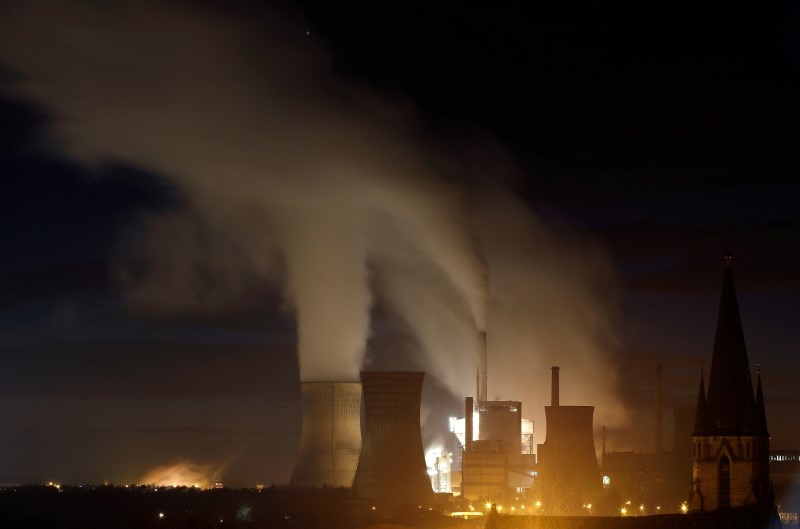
x=661, y=132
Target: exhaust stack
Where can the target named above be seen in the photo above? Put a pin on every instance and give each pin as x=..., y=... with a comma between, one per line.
x=483, y=369
x=331, y=437
x=469, y=409
x=554, y=387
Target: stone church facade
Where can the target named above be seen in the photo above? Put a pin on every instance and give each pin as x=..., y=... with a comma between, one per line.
x=730, y=465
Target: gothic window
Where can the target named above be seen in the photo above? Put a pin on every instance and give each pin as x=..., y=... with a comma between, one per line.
x=724, y=482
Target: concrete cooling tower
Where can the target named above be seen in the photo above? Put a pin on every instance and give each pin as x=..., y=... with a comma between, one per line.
x=331, y=437
x=568, y=473
x=392, y=464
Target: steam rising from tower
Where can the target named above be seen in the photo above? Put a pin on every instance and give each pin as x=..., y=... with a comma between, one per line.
x=337, y=204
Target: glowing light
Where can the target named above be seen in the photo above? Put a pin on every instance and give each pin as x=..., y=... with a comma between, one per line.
x=487, y=505
x=623, y=511
x=465, y=514
x=538, y=504
x=373, y=507
x=180, y=474
x=499, y=508
x=160, y=515
x=684, y=508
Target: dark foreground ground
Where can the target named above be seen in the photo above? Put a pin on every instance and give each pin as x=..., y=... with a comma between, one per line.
x=731, y=520
x=119, y=507
x=116, y=507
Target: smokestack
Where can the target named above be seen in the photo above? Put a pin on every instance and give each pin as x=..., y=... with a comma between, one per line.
x=603, y=454
x=554, y=387
x=392, y=464
x=331, y=437
x=469, y=408
x=659, y=410
x=483, y=369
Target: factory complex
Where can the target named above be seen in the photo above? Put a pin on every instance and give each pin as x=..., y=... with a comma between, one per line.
x=718, y=465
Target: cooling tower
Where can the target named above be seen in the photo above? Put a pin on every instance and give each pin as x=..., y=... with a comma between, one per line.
x=567, y=460
x=568, y=473
x=392, y=464
x=331, y=435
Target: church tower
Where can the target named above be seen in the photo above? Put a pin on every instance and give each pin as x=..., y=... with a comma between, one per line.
x=730, y=466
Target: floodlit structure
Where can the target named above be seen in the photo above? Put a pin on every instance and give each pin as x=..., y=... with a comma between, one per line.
x=331, y=437
x=392, y=464
x=496, y=442
x=568, y=475
x=440, y=470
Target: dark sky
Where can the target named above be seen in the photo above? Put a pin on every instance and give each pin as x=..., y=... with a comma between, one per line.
x=659, y=130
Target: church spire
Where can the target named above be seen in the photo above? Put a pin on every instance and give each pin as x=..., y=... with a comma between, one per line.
x=760, y=422
x=700, y=416
x=729, y=394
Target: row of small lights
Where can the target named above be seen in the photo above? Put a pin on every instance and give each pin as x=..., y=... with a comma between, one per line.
x=488, y=506
x=161, y=516
x=623, y=510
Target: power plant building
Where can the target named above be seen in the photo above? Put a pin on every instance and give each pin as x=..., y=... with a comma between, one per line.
x=496, y=443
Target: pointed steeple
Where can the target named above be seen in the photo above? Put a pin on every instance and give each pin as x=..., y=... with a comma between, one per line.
x=729, y=394
x=748, y=412
x=760, y=422
x=700, y=414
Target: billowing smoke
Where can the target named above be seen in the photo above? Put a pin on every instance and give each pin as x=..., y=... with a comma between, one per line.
x=553, y=303
x=181, y=474
x=274, y=156
x=295, y=178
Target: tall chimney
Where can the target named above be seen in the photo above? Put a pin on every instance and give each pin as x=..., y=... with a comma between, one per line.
x=392, y=464
x=469, y=409
x=659, y=410
x=603, y=460
x=554, y=387
x=483, y=369
x=331, y=436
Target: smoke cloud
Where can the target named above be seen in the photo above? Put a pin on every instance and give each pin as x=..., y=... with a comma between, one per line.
x=293, y=177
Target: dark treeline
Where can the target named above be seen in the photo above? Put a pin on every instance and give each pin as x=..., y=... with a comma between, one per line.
x=117, y=507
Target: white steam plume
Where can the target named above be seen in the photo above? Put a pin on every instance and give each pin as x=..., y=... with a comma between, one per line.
x=273, y=155
x=293, y=177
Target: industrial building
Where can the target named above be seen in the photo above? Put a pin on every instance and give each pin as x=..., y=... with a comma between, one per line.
x=719, y=457
x=496, y=443
x=656, y=481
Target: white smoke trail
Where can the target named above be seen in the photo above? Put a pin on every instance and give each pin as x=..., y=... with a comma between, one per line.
x=265, y=161
x=294, y=177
